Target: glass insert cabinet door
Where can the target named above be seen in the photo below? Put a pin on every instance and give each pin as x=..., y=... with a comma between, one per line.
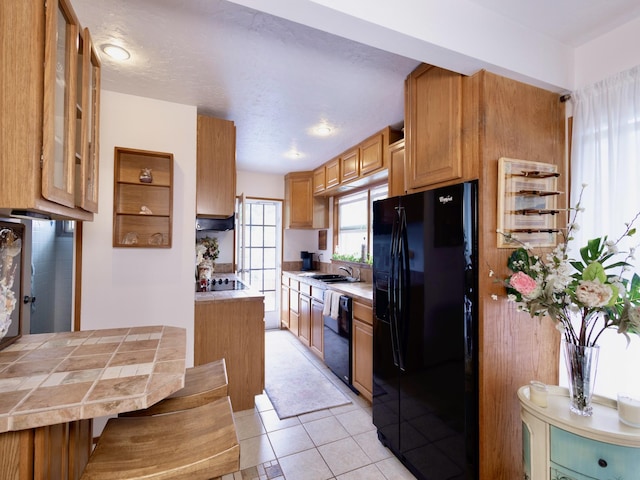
x=60, y=103
x=87, y=145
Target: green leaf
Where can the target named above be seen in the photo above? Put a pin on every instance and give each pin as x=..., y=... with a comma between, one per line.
x=594, y=272
x=519, y=256
x=579, y=266
x=593, y=250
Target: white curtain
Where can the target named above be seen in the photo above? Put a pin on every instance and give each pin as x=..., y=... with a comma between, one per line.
x=606, y=157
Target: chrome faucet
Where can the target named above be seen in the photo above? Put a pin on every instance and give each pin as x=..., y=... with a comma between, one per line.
x=349, y=270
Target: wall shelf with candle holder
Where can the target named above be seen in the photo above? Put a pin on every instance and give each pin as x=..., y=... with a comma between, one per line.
x=142, y=199
x=527, y=203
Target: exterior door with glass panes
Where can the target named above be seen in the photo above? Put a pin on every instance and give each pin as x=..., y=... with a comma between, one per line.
x=261, y=252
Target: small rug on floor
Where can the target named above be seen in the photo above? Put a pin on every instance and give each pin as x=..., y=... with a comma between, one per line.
x=293, y=383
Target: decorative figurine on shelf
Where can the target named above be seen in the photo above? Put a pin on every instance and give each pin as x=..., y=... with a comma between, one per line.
x=144, y=210
x=131, y=238
x=207, y=252
x=146, y=176
x=156, y=239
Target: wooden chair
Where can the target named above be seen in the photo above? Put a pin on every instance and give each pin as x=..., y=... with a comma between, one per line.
x=202, y=384
x=199, y=443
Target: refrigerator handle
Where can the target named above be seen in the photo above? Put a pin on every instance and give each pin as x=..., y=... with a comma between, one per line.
x=392, y=290
x=401, y=288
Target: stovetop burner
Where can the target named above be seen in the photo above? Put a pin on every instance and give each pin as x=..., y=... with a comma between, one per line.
x=220, y=284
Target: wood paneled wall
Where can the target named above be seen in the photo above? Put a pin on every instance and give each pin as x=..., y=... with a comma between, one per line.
x=513, y=120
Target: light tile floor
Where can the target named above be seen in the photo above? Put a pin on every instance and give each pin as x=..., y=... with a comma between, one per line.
x=333, y=444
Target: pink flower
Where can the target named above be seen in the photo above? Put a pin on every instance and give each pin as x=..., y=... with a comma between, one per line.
x=525, y=285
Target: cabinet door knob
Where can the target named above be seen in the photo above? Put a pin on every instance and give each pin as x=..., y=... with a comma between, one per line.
x=602, y=462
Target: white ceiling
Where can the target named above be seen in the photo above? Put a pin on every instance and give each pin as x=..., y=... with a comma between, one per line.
x=277, y=79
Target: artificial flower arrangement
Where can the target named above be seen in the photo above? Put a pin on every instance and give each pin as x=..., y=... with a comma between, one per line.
x=595, y=289
x=583, y=297
x=207, y=250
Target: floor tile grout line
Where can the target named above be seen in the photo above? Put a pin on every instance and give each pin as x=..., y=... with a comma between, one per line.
x=264, y=405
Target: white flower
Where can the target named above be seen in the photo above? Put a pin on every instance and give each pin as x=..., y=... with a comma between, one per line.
x=593, y=294
x=491, y=273
x=494, y=297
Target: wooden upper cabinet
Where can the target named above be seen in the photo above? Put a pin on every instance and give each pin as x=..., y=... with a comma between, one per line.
x=44, y=121
x=371, y=154
x=88, y=147
x=363, y=164
x=302, y=209
x=332, y=173
x=319, y=180
x=350, y=165
x=433, y=126
x=216, y=168
x=396, y=169
x=61, y=104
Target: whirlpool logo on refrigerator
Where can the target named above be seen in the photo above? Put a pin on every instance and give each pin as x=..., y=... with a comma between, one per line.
x=445, y=199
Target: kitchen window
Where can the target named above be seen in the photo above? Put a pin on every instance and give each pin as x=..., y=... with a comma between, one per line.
x=353, y=223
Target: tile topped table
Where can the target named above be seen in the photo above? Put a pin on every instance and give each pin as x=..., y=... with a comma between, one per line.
x=54, y=379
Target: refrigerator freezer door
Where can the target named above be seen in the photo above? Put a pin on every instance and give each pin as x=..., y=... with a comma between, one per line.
x=434, y=395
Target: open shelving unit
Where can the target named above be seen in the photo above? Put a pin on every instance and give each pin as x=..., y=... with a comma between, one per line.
x=142, y=206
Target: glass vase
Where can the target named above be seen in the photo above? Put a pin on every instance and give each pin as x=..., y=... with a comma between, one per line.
x=582, y=366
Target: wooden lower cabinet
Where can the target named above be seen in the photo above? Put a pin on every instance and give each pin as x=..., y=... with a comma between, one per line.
x=317, y=328
x=233, y=330
x=294, y=310
x=284, y=306
x=59, y=451
x=304, y=325
x=362, y=349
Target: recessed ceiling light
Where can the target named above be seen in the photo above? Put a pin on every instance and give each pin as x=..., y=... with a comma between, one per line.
x=115, y=52
x=294, y=154
x=321, y=130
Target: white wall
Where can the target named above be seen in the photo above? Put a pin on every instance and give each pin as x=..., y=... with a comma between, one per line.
x=262, y=185
x=142, y=286
x=608, y=54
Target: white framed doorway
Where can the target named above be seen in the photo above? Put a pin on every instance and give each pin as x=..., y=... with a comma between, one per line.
x=260, y=251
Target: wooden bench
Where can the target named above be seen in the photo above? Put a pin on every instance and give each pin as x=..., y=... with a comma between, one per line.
x=199, y=443
x=202, y=384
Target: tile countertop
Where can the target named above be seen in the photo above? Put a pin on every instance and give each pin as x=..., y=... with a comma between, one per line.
x=248, y=293
x=362, y=291
x=52, y=378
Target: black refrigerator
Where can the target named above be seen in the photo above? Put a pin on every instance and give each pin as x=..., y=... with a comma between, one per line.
x=425, y=365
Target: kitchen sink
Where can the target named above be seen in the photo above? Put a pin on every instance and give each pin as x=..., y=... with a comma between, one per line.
x=330, y=277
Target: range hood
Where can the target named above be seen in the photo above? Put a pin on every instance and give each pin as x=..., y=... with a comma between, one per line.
x=216, y=224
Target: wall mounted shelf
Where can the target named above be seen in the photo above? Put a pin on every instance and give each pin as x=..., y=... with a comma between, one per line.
x=142, y=199
x=527, y=200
